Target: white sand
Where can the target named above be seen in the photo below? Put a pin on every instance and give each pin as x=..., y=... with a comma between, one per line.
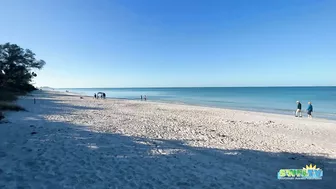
x=89, y=143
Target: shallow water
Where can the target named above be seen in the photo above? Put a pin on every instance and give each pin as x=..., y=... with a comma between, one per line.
x=281, y=100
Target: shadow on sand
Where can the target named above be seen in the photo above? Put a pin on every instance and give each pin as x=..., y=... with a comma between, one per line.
x=37, y=154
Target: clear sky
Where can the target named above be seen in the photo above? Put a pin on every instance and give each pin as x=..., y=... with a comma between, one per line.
x=165, y=43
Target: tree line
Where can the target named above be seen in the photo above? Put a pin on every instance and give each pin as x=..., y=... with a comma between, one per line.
x=17, y=67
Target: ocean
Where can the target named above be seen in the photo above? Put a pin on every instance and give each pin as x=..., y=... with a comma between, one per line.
x=280, y=100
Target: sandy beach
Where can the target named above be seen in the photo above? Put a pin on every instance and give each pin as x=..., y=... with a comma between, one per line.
x=63, y=141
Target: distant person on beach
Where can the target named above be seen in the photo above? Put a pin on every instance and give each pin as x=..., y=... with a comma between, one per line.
x=298, y=109
x=145, y=98
x=141, y=97
x=310, y=110
x=95, y=95
x=104, y=95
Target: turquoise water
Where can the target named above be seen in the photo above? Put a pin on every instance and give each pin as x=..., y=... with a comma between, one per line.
x=281, y=100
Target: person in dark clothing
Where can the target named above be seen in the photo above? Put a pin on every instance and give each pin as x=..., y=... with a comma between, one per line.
x=310, y=110
x=141, y=97
x=95, y=95
x=298, y=109
x=104, y=95
x=145, y=97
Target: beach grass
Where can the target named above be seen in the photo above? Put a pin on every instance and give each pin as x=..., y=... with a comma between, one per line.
x=7, y=98
x=7, y=106
x=6, y=95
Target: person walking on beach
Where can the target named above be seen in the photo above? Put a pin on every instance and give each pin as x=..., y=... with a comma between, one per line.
x=298, y=109
x=145, y=97
x=141, y=97
x=310, y=110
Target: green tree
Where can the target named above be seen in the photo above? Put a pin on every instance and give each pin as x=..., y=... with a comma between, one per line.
x=16, y=67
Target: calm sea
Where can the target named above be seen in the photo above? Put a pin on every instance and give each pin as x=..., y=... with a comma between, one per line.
x=281, y=100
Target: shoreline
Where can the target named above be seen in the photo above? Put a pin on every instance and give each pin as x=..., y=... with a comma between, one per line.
x=333, y=118
x=63, y=141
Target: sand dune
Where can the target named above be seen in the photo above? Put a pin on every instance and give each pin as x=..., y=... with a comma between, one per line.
x=63, y=141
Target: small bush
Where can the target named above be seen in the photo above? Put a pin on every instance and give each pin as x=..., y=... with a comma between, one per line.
x=8, y=95
x=4, y=106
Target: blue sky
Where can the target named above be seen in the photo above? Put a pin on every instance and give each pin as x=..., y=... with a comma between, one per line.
x=165, y=43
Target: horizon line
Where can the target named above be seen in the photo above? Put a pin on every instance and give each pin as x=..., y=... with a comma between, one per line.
x=190, y=87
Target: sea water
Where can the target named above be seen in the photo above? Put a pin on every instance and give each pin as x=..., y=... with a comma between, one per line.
x=281, y=100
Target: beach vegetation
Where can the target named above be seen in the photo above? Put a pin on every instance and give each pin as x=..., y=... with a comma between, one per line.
x=5, y=106
x=7, y=95
x=17, y=70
